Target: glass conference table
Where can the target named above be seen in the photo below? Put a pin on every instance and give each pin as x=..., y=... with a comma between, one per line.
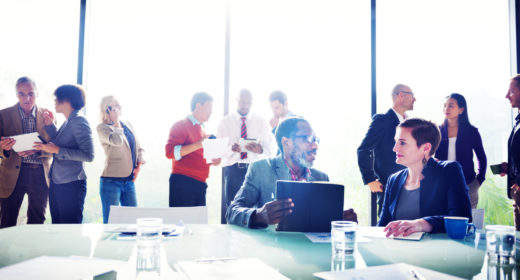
x=292, y=254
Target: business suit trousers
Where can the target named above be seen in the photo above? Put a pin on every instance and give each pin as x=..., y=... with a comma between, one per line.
x=31, y=181
x=380, y=199
x=186, y=191
x=66, y=202
x=234, y=176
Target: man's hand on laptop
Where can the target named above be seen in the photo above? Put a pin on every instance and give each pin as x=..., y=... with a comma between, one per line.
x=350, y=215
x=273, y=212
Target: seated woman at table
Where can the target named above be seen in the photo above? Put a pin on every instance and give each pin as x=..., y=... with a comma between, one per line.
x=124, y=157
x=417, y=198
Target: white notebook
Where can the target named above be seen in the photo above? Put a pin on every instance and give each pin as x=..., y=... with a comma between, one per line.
x=229, y=268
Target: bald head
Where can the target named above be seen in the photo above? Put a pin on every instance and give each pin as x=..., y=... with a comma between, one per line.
x=244, y=100
x=400, y=88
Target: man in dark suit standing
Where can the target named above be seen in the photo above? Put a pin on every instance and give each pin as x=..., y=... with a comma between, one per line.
x=23, y=172
x=376, y=158
x=513, y=152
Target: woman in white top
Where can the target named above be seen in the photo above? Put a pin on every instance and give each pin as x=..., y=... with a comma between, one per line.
x=459, y=139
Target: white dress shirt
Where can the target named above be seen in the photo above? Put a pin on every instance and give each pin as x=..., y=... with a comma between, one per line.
x=257, y=128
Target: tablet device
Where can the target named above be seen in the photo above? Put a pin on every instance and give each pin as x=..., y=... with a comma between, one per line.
x=316, y=204
x=496, y=168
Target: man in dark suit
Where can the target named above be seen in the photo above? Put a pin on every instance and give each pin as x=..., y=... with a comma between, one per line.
x=376, y=159
x=513, y=151
x=23, y=172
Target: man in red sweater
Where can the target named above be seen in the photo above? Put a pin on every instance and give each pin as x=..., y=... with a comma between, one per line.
x=184, y=147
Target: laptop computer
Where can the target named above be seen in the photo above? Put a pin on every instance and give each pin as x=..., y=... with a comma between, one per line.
x=316, y=204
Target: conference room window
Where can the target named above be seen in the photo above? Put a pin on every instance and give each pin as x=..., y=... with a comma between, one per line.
x=318, y=53
x=441, y=47
x=41, y=45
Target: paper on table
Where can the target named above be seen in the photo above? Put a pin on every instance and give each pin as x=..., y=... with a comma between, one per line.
x=229, y=268
x=396, y=271
x=378, y=232
x=25, y=142
x=58, y=268
x=324, y=237
x=214, y=148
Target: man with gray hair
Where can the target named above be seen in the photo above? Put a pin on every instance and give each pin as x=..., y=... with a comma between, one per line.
x=23, y=172
x=376, y=158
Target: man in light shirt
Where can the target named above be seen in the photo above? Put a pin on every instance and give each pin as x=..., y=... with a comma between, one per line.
x=376, y=158
x=260, y=144
x=280, y=107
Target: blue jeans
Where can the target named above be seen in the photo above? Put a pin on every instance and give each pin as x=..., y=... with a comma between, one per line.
x=115, y=192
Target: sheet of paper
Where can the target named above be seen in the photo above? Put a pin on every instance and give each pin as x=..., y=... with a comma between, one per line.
x=324, y=237
x=243, y=142
x=59, y=268
x=25, y=142
x=229, y=268
x=214, y=148
x=396, y=271
x=378, y=232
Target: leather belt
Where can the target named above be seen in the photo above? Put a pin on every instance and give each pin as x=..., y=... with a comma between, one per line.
x=31, y=165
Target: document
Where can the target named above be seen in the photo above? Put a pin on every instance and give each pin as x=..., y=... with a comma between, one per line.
x=324, y=237
x=215, y=148
x=396, y=271
x=378, y=232
x=25, y=142
x=243, y=143
x=59, y=268
x=228, y=268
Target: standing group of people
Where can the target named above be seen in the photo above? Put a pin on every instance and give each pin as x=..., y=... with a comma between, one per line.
x=419, y=171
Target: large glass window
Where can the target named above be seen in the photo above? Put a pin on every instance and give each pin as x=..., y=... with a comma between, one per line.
x=441, y=47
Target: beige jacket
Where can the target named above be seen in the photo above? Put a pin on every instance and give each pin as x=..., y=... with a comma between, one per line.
x=10, y=162
x=118, y=162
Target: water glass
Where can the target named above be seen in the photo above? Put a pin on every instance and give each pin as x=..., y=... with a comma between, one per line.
x=500, y=244
x=341, y=263
x=343, y=238
x=149, y=234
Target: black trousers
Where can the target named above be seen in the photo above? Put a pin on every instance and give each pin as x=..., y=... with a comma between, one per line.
x=234, y=176
x=31, y=181
x=186, y=191
x=66, y=202
x=380, y=199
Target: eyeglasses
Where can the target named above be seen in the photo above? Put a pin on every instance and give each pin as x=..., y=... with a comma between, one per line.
x=310, y=139
x=407, y=92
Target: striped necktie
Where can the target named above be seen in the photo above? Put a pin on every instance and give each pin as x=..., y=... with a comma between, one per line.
x=243, y=134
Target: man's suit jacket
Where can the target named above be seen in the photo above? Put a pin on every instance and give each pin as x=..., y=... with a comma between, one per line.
x=443, y=192
x=76, y=146
x=259, y=188
x=118, y=161
x=10, y=162
x=376, y=158
x=513, y=158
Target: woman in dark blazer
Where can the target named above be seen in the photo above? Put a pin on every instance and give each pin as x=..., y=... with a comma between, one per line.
x=417, y=198
x=458, y=141
x=71, y=145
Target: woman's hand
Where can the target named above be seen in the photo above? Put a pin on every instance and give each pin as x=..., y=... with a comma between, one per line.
x=49, y=148
x=137, y=169
x=48, y=117
x=407, y=227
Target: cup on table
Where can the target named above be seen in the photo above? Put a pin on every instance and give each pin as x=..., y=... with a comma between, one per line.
x=458, y=227
x=341, y=263
x=343, y=238
x=149, y=234
x=500, y=244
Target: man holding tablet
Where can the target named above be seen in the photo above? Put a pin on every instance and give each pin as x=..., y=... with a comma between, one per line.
x=254, y=205
x=250, y=139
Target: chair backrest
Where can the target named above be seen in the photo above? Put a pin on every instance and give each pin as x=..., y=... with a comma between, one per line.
x=478, y=217
x=172, y=215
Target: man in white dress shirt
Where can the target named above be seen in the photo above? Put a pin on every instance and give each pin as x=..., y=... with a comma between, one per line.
x=243, y=124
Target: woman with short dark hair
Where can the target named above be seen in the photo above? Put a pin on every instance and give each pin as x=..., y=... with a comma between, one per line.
x=458, y=141
x=71, y=145
x=417, y=198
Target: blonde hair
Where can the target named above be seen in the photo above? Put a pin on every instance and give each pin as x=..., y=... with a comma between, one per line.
x=105, y=102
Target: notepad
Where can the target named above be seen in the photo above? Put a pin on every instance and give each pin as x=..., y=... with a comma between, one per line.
x=378, y=232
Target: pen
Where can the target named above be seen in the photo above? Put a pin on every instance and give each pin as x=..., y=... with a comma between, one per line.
x=416, y=274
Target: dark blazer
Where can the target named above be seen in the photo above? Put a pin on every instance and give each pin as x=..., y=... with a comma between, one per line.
x=376, y=158
x=76, y=146
x=468, y=140
x=443, y=192
x=259, y=188
x=513, y=158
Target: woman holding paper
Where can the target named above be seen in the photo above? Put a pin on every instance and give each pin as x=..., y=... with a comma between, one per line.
x=71, y=145
x=124, y=157
x=417, y=198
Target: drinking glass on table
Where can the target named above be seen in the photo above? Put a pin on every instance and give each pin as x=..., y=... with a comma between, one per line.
x=149, y=234
x=343, y=238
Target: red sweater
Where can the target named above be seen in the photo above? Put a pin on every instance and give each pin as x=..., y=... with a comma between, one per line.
x=193, y=165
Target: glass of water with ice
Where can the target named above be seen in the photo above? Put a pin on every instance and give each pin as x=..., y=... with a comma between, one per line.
x=343, y=238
